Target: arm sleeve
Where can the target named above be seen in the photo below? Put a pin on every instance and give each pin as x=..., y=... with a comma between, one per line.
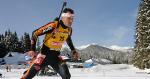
x=69, y=42
x=40, y=31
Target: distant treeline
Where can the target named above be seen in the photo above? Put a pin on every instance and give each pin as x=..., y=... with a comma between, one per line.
x=10, y=42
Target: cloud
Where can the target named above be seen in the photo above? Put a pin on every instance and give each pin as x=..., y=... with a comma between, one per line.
x=120, y=33
x=85, y=46
x=118, y=36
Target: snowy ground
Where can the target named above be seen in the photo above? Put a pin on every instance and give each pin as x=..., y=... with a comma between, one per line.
x=113, y=71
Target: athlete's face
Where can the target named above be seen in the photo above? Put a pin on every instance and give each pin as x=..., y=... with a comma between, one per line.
x=67, y=20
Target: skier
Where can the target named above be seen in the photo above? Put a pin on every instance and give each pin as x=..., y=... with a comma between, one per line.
x=1, y=75
x=56, y=33
x=8, y=68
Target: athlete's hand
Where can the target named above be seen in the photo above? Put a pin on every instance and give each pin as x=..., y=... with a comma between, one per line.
x=75, y=55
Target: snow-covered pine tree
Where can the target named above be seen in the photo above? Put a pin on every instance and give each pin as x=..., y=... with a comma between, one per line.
x=38, y=47
x=3, y=50
x=8, y=41
x=21, y=45
x=142, y=44
x=27, y=42
x=1, y=38
x=15, y=41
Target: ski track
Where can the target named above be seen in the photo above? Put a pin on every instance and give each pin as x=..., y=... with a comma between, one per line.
x=120, y=71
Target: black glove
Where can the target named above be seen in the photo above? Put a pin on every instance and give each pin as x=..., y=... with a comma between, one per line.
x=75, y=55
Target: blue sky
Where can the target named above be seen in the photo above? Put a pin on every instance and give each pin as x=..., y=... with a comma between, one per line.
x=104, y=22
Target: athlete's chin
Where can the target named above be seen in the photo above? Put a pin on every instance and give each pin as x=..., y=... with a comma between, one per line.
x=69, y=25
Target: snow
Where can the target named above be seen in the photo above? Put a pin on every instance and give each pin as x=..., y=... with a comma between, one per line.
x=85, y=46
x=64, y=57
x=119, y=48
x=65, y=46
x=111, y=71
x=107, y=71
x=16, y=57
x=105, y=61
x=89, y=61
